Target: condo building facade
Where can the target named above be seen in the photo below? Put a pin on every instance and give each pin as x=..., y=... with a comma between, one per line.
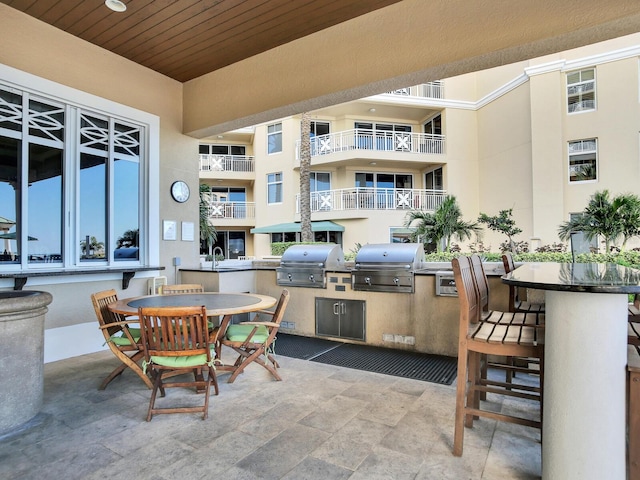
x=538, y=137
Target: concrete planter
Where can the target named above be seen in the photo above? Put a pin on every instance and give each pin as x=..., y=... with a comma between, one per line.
x=21, y=356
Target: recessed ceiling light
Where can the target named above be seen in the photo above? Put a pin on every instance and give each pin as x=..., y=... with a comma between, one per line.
x=115, y=5
x=372, y=110
x=373, y=163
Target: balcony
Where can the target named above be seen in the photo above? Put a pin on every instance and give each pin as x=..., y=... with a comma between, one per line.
x=370, y=143
x=364, y=198
x=227, y=166
x=237, y=213
x=425, y=90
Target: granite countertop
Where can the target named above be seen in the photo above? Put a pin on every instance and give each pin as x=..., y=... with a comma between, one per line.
x=576, y=277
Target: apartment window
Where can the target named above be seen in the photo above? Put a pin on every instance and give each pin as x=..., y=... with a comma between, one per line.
x=320, y=181
x=70, y=183
x=434, y=126
x=433, y=180
x=212, y=149
x=383, y=136
x=274, y=188
x=583, y=160
x=319, y=128
x=274, y=138
x=384, y=180
x=581, y=90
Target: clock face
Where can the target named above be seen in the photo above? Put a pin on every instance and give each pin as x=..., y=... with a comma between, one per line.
x=180, y=191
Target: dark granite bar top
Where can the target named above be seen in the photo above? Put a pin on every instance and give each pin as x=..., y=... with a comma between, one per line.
x=576, y=277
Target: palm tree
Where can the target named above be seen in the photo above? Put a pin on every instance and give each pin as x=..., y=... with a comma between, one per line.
x=606, y=217
x=445, y=223
x=305, y=185
x=208, y=232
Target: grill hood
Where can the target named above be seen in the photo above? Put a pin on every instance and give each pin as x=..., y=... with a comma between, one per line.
x=305, y=265
x=407, y=256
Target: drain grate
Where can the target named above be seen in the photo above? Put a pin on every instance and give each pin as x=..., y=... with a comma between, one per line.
x=305, y=348
x=399, y=363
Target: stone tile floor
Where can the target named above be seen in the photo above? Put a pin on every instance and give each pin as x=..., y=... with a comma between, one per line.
x=322, y=422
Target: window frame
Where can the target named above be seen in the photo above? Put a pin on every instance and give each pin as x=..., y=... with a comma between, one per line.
x=577, y=86
x=582, y=151
x=75, y=101
x=278, y=180
x=274, y=130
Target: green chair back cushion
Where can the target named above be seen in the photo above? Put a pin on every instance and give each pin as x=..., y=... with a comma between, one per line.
x=121, y=339
x=239, y=333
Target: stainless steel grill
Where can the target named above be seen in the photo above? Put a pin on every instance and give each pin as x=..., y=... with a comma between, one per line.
x=387, y=267
x=305, y=265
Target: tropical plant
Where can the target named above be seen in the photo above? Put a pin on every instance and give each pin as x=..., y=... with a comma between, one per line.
x=306, y=234
x=444, y=224
x=92, y=246
x=503, y=223
x=611, y=218
x=208, y=232
x=128, y=239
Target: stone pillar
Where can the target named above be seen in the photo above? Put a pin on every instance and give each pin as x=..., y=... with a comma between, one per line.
x=21, y=356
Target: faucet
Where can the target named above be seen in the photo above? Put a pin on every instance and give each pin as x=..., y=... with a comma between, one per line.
x=215, y=260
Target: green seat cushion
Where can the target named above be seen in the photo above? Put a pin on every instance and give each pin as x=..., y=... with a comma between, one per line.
x=121, y=339
x=183, y=362
x=239, y=333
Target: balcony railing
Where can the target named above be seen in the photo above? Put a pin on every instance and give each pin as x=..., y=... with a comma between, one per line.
x=226, y=163
x=375, y=140
x=230, y=210
x=425, y=90
x=365, y=198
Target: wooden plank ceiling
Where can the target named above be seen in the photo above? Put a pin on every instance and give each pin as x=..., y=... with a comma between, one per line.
x=185, y=39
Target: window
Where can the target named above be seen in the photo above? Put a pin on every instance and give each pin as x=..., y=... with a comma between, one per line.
x=321, y=196
x=583, y=160
x=384, y=180
x=581, y=90
x=578, y=242
x=323, y=236
x=231, y=242
x=70, y=184
x=383, y=136
x=434, y=126
x=228, y=202
x=274, y=138
x=274, y=188
x=320, y=181
x=207, y=149
x=319, y=128
x=433, y=180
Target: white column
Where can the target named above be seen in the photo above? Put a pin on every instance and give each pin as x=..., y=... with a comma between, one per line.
x=584, y=389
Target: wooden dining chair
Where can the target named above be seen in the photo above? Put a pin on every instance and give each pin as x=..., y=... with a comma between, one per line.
x=516, y=303
x=122, y=339
x=181, y=288
x=253, y=340
x=175, y=340
x=478, y=338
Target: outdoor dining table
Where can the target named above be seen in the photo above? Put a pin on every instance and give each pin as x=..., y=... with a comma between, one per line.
x=583, y=430
x=216, y=303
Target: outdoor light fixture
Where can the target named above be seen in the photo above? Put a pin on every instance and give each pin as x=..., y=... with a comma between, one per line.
x=115, y=5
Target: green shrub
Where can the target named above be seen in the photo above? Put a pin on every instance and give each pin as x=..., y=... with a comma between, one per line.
x=278, y=248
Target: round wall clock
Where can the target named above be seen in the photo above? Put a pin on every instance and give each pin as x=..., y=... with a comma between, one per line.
x=180, y=191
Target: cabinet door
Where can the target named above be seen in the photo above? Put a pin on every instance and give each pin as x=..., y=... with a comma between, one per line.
x=352, y=319
x=328, y=317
